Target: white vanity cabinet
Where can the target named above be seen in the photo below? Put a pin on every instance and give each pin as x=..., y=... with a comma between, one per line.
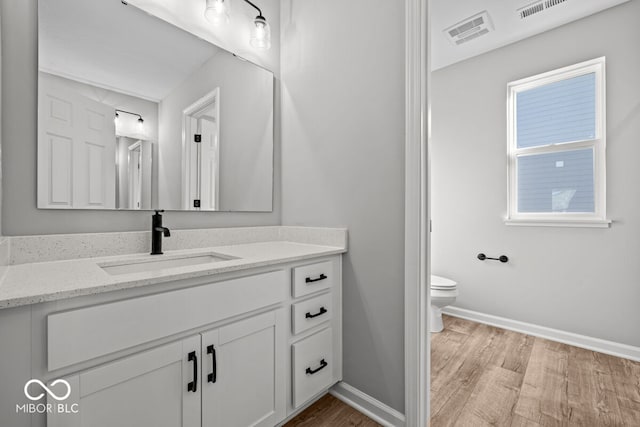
x=315, y=336
x=312, y=366
x=146, y=389
x=250, y=349
x=242, y=373
x=228, y=376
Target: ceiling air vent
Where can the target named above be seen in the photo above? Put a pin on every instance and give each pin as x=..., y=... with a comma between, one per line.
x=551, y=3
x=531, y=10
x=469, y=29
x=537, y=7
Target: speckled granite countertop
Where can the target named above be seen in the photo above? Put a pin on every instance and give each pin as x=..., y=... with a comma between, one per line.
x=32, y=283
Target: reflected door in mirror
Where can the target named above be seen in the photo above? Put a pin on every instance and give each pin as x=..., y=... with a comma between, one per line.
x=202, y=137
x=76, y=148
x=133, y=173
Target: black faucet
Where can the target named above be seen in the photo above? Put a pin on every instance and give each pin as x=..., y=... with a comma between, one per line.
x=157, y=230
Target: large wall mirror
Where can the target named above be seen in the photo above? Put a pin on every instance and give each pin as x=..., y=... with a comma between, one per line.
x=135, y=113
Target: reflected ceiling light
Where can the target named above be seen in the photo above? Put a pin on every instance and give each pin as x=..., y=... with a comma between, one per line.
x=217, y=11
x=140, y=119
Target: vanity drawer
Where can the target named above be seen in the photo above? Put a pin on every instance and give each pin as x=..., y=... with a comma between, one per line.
x=86, y=333
x=311, y=278
x=312, y=365
x=310, y=313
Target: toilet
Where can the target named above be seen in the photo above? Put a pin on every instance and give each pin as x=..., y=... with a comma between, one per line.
x=443, y=293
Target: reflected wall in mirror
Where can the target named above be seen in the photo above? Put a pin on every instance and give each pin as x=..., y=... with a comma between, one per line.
x=135, y=113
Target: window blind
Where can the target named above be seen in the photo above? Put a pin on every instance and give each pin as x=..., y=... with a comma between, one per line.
x=556, y=182
x=562, y=111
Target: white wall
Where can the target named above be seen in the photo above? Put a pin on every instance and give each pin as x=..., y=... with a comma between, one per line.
x=4, y=243
x=343, y=165
x=19, y=132
x=0, y=126
x=246, y=133
x=585, y=281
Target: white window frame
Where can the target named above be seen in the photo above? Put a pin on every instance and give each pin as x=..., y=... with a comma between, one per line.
x=598, y=144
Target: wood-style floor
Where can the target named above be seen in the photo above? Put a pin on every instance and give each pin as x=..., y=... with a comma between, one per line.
x=481, y=376
x=331, y=412
x=486, y=376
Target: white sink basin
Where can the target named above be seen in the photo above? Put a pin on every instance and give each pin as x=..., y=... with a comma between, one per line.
x=160, y=263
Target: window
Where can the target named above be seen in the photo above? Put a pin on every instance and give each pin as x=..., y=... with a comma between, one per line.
x=556, y=149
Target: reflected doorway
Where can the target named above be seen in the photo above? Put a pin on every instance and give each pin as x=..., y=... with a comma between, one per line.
x=202, y=153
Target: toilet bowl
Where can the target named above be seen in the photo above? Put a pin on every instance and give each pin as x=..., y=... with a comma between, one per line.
x=443, y=293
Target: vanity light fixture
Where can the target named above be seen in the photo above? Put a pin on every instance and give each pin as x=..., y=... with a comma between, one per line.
x=217, y=12
x=261, y=31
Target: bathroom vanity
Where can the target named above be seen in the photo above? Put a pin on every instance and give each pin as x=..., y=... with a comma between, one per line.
x=235, y=335
x=223, y=327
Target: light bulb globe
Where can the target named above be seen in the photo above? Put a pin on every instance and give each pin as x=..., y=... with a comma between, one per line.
x=217, y=11
x=260, y=34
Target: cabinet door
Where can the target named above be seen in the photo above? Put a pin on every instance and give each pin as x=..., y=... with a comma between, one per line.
x=153, y=388
x=243, y=373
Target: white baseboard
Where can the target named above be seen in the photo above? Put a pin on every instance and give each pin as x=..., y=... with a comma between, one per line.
x=596, y=344
x=369, y=406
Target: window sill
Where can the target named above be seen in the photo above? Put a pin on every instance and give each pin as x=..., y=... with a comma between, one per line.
x=571, y=223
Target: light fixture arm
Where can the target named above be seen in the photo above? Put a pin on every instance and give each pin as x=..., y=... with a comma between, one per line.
x=129, y=112
x=256, y=8
x=217, y=12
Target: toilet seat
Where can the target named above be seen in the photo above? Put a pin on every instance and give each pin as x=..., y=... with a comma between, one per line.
x=442, y=283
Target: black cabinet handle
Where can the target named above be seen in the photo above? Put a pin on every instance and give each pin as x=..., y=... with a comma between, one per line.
x=193, y=385
x=214, y=370
x=320, y=313
x=323, y=365
x=310, y=280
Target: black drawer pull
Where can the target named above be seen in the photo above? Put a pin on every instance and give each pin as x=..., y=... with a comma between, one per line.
x=212, y=377
x=320, y=313
x=323, y=365
x=193, y=385
x=310, y=280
